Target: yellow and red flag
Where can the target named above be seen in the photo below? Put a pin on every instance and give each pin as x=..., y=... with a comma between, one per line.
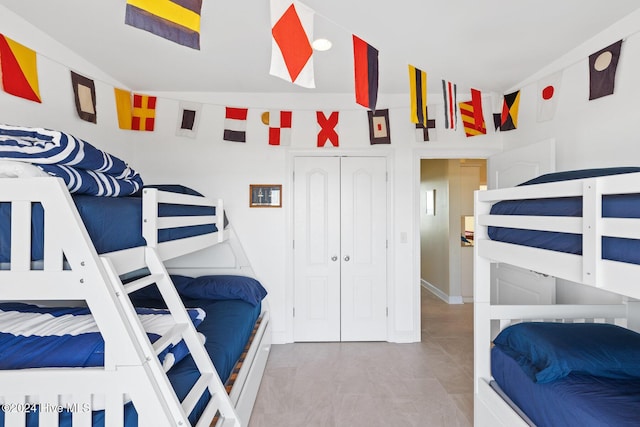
x=19, y=68
x=140, y=115
x=471, y=114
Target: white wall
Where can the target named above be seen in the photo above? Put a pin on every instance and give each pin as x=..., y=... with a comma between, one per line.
x=598, y=133
x=224, y=169
x=588, y=134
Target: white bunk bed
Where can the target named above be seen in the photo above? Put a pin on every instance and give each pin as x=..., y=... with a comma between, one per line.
x=491, y=406
x=72, y=272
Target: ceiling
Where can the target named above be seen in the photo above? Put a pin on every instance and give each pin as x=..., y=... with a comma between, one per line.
x=490, y=45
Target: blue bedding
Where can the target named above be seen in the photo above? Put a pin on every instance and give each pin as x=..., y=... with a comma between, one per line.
x=227, y=327
x=575, y=400
x=60, y=337
x=613, y=206
x=112, y=223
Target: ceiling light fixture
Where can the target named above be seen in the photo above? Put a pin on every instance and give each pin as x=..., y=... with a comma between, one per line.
x=321, y=44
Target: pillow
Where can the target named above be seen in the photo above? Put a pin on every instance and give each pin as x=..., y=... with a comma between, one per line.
x=550, y=351
x=221, y=287
x=11, y=169
x=580, y=174
x=215, y=287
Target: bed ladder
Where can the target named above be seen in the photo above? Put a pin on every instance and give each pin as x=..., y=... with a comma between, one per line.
x=219, y=408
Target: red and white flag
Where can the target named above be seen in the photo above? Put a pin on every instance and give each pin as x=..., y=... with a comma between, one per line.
x=291, y=51
x=450, y=95
x=548, y=92
x=235, y=124
x=279, y=123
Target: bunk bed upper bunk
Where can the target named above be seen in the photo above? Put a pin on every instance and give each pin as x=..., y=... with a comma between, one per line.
x=582, y=226
x=137, y=373
x=579, y=225
x=120, y=217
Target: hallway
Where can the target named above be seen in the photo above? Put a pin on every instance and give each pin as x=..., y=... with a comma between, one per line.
x=426, y=384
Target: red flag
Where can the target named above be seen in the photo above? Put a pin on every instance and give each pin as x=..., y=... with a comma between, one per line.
x=365, y=62
x=327, y=128
x=144, y=112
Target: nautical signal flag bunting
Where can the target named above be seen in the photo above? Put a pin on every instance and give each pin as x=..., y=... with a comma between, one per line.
x=510, y=107
x=19, y=69
x=175, y=20
x=279, y=123
x=291, y=51
x=379, y=132
x=365, y=63
x=235, y=124
x=449, y=92
x=327, y=130
x=548, y=94
x=471, y=114
x=418, y=92
x=139, y=116
x=602, y=70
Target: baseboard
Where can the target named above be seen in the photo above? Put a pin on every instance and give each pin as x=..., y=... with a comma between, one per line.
x=437, y=292
x=280, y=337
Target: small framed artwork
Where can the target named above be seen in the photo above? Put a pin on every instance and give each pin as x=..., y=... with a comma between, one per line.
x=265, y=195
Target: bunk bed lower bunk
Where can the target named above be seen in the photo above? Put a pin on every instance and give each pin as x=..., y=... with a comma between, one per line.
x=49, y=260
x=564, y=364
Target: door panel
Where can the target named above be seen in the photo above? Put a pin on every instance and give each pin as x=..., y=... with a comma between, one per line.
x=364, y=281
x=317, y=275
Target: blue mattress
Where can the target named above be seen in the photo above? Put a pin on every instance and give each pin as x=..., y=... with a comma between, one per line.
x=613, y=206
x=113, y=223
x=227, y=326
x=576, y=400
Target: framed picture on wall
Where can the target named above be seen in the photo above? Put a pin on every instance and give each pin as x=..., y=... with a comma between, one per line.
x=265, y=195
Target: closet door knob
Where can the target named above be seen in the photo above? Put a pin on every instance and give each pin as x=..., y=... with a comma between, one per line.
x=334, y=258
x=346, y=258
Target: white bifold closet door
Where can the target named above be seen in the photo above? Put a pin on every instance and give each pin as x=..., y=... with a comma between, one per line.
x=340, y=256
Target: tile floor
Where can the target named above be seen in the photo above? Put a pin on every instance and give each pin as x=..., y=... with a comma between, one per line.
x=426, y=384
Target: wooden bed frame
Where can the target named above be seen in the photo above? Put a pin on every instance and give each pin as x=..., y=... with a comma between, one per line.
x=490, y=409
x=73, y=273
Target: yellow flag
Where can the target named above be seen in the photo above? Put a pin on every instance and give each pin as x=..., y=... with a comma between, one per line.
x=123, y=106
x=418, y=91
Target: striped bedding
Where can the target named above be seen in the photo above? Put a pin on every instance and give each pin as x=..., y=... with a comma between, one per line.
x=35, y=337
x=84, y=168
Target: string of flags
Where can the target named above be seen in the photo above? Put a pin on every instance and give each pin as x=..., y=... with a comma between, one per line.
x=292, y=60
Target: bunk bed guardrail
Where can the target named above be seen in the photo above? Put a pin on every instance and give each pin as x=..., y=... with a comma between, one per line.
x=589, y=267
x=72, y=271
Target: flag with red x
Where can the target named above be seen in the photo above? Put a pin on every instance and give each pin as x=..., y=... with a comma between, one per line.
x=327, y=128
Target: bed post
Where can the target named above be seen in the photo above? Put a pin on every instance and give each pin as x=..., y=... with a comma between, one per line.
x=482, y=297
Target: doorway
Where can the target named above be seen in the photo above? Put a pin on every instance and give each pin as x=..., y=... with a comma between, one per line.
x=446, y=226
